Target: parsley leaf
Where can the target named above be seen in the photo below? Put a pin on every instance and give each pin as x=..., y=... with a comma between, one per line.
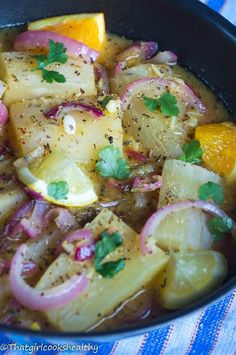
x=219, y=226
x=111, y=164
x=105, y=246
x=192, y=152
x=56, y=54
x=50, y=75
x=213, y=191
x=151, y=104
x=105, y=101
x=167, y=104
x=58, y=190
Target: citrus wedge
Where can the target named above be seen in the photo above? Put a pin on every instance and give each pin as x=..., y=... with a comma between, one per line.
x=59, y=180
x=189, y=276
x=219, y=144
x=86, y=28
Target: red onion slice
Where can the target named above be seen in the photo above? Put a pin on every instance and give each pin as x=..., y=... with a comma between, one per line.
x=34, y=225
x=79, y=234
x=62, y=217
x=12, y=226
x=135, y=155
x=29, y=40
x=102, y=79
x=65, y=107
x=153, y=222
x=136, y=53
x=3, y=115
x=85, y=250
x=183, y=91
x=42, y=300
x=142, y=185
x=166, y=57
x=141, y=50
x=119, y=67
x=119, y=185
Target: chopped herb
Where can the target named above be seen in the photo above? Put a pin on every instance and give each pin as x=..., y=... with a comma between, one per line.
x=56, y=54
x=111, y=164
x=218, y=226
x=151, y=104
x=58, y=190
x=105, y=246
x=213, y=191
x=105, y=101
x=192, y=152
x=166, y=102
x=50, y=75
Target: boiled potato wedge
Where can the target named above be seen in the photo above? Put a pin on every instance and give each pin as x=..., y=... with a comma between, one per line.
x=23, y=83
x=161, y=137
x=181, y=181
x=102, y=295
x=120, y=81
x=187, y=229
x=29, y=129
x=11, y=198
x=190, y=276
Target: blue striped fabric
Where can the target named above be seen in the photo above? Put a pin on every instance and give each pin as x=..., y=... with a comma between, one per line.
x=208, y=326
x=155, y=341
x=216, y=4
x=210, y=331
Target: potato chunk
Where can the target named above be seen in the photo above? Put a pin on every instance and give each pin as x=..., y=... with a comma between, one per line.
x=30, y=129
x=189, y=276
x=102, y=295
x=187, y=229
x=11, y=198
x=127, y=76
x=23, y=83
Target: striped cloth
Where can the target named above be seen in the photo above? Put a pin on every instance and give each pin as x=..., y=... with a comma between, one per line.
x=227, y=8
x=209, y=331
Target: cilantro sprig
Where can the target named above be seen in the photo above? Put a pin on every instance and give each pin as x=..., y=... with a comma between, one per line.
x=105, y=246
x=192, y=152
x=211, y=191
x=111, y=164
x=58, y=190
x=167, y=104
x=56, y=54
x=218, y=226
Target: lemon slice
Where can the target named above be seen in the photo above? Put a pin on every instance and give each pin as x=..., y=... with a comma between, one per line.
x=58, y=179
x=189, y=276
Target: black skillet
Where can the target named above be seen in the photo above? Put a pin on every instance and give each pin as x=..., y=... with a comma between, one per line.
x=205, y=43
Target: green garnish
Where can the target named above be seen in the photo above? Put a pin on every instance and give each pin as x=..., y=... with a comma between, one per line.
x=167, y=104
x=112, y=165
x=192, y=152
x=105, y=246
x=213, y=191
x=105, y=101
x=58, y=190
x=56, y=54
x=218, y=226
x=151, y=104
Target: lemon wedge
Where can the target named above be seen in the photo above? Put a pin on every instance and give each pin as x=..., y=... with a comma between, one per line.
x=189, y=276
x=57, y=178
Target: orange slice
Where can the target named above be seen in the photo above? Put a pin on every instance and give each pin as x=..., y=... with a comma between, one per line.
x=86, y=28
x=219, y=144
